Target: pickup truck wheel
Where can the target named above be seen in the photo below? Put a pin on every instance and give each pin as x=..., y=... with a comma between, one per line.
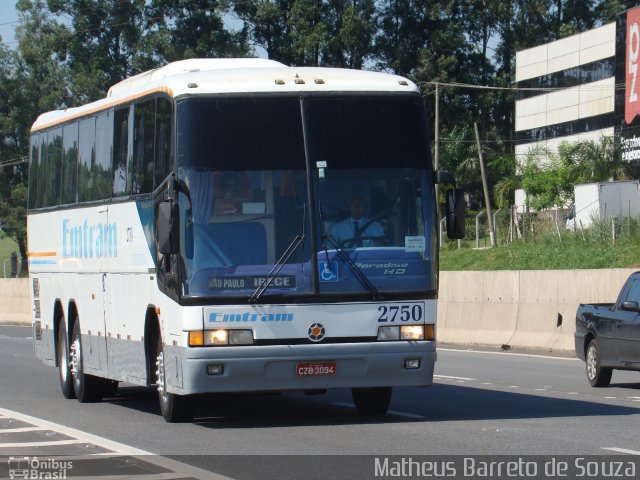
x=597, y=375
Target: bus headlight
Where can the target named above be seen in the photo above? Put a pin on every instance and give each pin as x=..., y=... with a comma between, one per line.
x=412, y=332
x=208, y=338
x=387, y=334
x=240, y=337
x=406, y=332
x=216, y=337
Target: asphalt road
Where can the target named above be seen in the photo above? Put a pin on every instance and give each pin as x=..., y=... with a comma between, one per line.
x=482, y=403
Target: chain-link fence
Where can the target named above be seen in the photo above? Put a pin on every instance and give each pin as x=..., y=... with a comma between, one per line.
x=512, y=225
x=13, y=266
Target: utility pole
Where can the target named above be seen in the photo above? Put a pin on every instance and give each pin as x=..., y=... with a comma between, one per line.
x=436, y=151
x=485, y=187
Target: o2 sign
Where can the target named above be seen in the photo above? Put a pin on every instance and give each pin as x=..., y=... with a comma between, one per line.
x=632, y=84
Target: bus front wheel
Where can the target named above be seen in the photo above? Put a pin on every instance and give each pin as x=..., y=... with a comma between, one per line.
x=371, y=401
x=174, y=408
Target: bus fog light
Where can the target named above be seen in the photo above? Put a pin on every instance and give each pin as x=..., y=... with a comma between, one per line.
x=240, y=337
x=412, y=363
x=215, y=369
x=412, y=332
x=386, y=334
x=216, y=337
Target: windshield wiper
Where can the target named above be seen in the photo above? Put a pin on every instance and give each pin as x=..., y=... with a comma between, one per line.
x=257, y=294
x=357, y=271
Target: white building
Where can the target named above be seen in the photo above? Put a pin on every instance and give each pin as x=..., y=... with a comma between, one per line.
x=566, y=91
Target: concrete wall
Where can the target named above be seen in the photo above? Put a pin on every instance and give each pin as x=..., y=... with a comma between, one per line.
x=520, y=308
x=516, y=308
x=14, y=301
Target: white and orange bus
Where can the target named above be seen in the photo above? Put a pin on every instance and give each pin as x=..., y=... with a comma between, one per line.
x=181, y=235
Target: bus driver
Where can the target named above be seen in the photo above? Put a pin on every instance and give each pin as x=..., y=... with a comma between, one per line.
x=357, y=230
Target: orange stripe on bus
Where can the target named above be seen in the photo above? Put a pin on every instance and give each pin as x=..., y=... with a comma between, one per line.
x=106, y=106
x=41, y=254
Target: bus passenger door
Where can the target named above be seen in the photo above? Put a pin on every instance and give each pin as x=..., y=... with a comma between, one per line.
x=95, y=328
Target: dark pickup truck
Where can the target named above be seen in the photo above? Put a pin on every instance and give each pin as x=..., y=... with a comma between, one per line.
x=608, y=334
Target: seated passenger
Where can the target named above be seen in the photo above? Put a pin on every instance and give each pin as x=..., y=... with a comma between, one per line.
x=229, y=196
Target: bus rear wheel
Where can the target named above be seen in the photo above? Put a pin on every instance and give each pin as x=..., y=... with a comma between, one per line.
x=64, y=366
x=174, y=408
x=372, y=401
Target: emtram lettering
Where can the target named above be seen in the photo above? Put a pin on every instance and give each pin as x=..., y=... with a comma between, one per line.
x=88, y=241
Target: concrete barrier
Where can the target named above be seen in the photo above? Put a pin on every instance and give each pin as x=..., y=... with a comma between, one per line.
x=523, y=309
x=15, y=305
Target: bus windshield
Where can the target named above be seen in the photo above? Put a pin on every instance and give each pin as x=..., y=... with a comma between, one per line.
x=251, y=207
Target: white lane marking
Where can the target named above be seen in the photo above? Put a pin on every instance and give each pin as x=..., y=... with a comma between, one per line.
x=152, y=476
x=449, y=377
x=390, y=412
x=634, y=398
x=180, y=468
x=513, y=386
x=610, y=398
x=621, y=450
x=573, y=393
x=40, y=444
x=20, y=430
x=549, y=357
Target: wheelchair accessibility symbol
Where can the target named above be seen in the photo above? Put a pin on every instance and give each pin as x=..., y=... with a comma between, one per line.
x=328, y=271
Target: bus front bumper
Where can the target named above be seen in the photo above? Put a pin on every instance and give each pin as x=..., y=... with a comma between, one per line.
x=275, y=368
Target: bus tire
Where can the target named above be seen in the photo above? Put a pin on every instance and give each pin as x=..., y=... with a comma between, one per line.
x=174, y=408
x=372, y=401
x=88, y=388
x=64, y=367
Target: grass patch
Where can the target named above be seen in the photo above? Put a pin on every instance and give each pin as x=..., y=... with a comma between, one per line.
x=525, y=256
x=593, y=248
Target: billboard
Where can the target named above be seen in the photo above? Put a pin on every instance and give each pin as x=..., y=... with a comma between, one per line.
x=627, y=101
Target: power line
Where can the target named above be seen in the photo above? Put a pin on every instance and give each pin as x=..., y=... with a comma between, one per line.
x=11, y=162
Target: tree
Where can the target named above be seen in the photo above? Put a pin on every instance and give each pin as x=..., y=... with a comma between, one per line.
x=267, y=22
x=351, y=29
x=103, y=44
x=309, y=33
x=191, y=29
x=549, y=178
x=13, y=215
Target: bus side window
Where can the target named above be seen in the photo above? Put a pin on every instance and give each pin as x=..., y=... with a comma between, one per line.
x=69, y=164
x=143, y=146
x=53, y=162
x=34, y=161
x=120, y=152
x=86, y=159
x=162, y=164
x=101, y=170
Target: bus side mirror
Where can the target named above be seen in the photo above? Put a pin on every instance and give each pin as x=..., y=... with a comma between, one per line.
x=167, y=228
x=455, y=213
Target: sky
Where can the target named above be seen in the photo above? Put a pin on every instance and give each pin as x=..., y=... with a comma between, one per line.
x=8, y=21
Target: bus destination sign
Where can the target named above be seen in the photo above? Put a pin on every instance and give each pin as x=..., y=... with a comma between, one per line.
x=251, y=281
